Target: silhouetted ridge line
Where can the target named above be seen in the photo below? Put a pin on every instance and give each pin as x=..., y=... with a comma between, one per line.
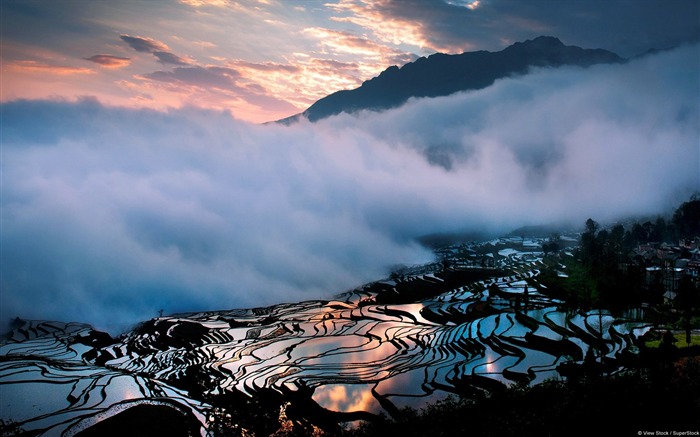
x=442, y=75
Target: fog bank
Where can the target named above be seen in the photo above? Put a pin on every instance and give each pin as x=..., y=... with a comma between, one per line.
x=111, y=214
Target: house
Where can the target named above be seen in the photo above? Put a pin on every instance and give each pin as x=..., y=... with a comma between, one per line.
x=690, y=243
x=693, y=268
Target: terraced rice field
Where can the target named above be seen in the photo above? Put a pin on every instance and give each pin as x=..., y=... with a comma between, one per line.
x=351, y=355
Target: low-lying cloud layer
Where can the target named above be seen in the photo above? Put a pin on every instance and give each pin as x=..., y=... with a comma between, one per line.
x=109, y=215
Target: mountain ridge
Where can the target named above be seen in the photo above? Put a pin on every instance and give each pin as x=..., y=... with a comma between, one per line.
x=442, y=74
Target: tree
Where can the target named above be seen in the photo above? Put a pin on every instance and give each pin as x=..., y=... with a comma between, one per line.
x=552, y=244
x=649, y=232
x=660, y=230
x=687, y=299
x=639, y=234
x=686, y=219
x=591, y=226
x=588, y=242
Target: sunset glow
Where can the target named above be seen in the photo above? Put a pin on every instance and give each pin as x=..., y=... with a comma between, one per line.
x=262, y=60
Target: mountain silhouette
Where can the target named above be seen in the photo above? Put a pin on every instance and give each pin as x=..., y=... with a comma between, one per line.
x=441, y=75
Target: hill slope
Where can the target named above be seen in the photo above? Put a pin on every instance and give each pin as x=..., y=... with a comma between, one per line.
x=441, y=75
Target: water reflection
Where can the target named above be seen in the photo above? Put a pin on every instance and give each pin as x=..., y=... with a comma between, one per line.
x=353, y=353
x=346, y=397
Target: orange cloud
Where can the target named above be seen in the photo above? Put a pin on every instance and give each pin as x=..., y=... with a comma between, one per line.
x=346, y=398
x=264, y=66
x=374, y=16
x=40, y=67
x=109, y=61
x=204, y=77
x=307, y=77
x=373, y=57
x=218, y=88
x=386, y=28
x=345, y=42
x=302, y=80
x=200, y=3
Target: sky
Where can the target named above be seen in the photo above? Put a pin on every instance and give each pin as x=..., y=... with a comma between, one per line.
x=136, y=176
x=265, y=60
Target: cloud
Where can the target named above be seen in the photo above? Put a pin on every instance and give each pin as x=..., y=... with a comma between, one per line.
x=365, y=58
x=201, y=3
x=268, y=67
x=215, y=77
x=302, y=81
x=158, y=49
x=112, y=214
x=42, y=67
x=214, y=86
x=109, y=61
x=346, y=42
x=386, y=26
x=170, y=58
x=453, y=26
x=143, y=44
x=220, y=88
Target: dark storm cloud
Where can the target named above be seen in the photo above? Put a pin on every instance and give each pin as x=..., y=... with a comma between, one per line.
x=112, y=214
x=626, y=27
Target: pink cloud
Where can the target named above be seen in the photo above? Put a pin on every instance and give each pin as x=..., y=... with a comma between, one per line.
x=206, y=77
x=264, y=66
x=386, y=27
x=386, y=20
x=40, y=67
x=109, y=61
x=346, y=42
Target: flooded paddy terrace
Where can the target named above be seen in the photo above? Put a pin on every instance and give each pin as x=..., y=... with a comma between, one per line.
x=425, y=333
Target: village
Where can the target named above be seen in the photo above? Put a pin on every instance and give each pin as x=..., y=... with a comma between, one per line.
x=668, y=264
x=652, y=272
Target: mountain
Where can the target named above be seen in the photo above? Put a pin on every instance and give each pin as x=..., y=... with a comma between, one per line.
x=441, y=75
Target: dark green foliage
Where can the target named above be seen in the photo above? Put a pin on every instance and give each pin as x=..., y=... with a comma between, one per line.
x=595, y=275
x=686, y=219
x=144, y=420
x=552, y=245
x=605, y=274
x=9, y=428
x=236, y=414
x=658, y=232
x=578, y=289
x=664, y=397
x=688, y=297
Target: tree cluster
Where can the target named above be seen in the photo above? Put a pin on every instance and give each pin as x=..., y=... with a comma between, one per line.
x=602, y=255
x=662, y=396
x=606, y=273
